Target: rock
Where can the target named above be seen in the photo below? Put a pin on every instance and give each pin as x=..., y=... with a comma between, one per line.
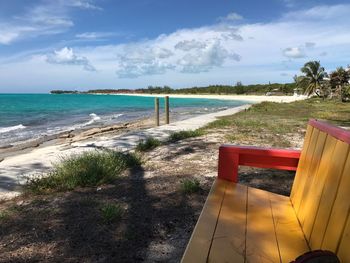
x=1, y=159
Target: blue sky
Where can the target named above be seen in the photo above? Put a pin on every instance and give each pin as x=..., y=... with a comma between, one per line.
x=90, y=44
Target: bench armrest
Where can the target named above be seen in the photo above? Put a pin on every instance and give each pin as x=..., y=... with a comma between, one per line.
x=231, y=156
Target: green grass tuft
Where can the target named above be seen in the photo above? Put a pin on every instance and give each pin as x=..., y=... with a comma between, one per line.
x=181, y=135
x=88, y=169
x=111, y=212
x=4, y=215
x=148, y=144
x=189, y=186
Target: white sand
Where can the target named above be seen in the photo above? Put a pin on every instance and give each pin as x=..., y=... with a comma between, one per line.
x=248, y=98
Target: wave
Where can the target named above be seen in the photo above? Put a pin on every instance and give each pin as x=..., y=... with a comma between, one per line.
x=116, y=116
x=94, y=118
x=12, y=128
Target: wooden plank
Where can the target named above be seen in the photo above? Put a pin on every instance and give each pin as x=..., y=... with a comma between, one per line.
x=198, y=248
x=301, y=166
x=343, y=252
x=261, y=244
x=329, y=194
x=303, y=169
x=339, y=213
x=229, y=239
x=290, y=237
x=310, y=176
x=314, y=196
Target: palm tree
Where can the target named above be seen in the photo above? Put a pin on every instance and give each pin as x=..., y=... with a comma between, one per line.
x=339, y=79
x=313, y=77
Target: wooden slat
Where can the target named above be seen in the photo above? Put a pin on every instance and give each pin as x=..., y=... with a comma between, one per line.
x=198, y=248
x=339, y=213
x=302, y=171
x=344, y=248
x=310, y=175
x=329, y=194
x=301, y=166
x=313, y=199
x=290, y=237
x=229, y=239
x=261, y=244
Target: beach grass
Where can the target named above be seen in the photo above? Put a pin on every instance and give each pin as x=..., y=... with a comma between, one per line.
x=88, y=169
x=111, y=212
x=147, y=145
x=274, y=123
x=189, y=186
x=181, y=135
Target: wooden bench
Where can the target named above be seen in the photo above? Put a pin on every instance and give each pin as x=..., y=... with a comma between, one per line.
x=244, y=224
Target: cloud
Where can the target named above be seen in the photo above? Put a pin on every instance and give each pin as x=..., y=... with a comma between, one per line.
x=49, y=18
x=187, y=45
x=220, y=53
x=66, y=56
x=139, y=61
x=204, y=60
x=310, y=44
x=231, y=17
x=293, y=52
x=83, y=4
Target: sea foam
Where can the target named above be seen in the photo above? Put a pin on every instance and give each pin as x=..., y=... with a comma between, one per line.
x=94, y=117
x=12, y=128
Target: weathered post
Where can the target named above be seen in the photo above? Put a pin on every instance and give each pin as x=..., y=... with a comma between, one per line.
x=167, y=110
x=156, y=109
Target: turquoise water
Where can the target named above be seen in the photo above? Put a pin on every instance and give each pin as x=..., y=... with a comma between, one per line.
x=26, y=116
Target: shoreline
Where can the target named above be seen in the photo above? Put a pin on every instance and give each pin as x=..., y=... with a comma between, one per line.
x=15, y=169
x=247, y=98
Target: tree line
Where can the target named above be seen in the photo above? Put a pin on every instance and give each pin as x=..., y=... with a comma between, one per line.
x=315, y=81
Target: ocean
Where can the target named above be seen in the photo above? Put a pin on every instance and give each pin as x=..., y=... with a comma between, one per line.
x=30, y=116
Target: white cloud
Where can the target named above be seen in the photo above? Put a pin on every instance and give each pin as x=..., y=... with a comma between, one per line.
x=49, y=18
x=231, y=17
x=84, y=4
x=95, y=35
x=293, y=52
x=66, y=56
x=220, y=53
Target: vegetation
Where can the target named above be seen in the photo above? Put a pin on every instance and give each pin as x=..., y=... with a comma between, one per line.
x=315, y=81
x=189, y=186
x=111, y=212
x=274, y=123
x=238, y=88
x=181, y=135
x=88, y=169
x=339, y=83
x=148, y=144
x=64, y=91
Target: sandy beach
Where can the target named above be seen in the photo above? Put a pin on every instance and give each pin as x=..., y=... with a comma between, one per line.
x=16, y=166
x=248, y=98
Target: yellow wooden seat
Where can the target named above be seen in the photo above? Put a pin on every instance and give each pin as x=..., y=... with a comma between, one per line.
x=244, y=224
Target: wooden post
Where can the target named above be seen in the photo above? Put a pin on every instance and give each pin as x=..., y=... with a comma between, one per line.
x=156, y=109
x=167, y=110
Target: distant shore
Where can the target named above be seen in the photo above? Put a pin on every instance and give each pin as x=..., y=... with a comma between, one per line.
x=248, y=98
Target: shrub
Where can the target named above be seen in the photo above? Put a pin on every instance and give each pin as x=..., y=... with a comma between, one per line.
x=111, y=212
x=181, y=135
x=189, y=186
x=88, y=169
x=148, y=144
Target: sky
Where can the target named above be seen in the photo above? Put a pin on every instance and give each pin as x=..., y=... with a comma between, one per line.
x=115, y=44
